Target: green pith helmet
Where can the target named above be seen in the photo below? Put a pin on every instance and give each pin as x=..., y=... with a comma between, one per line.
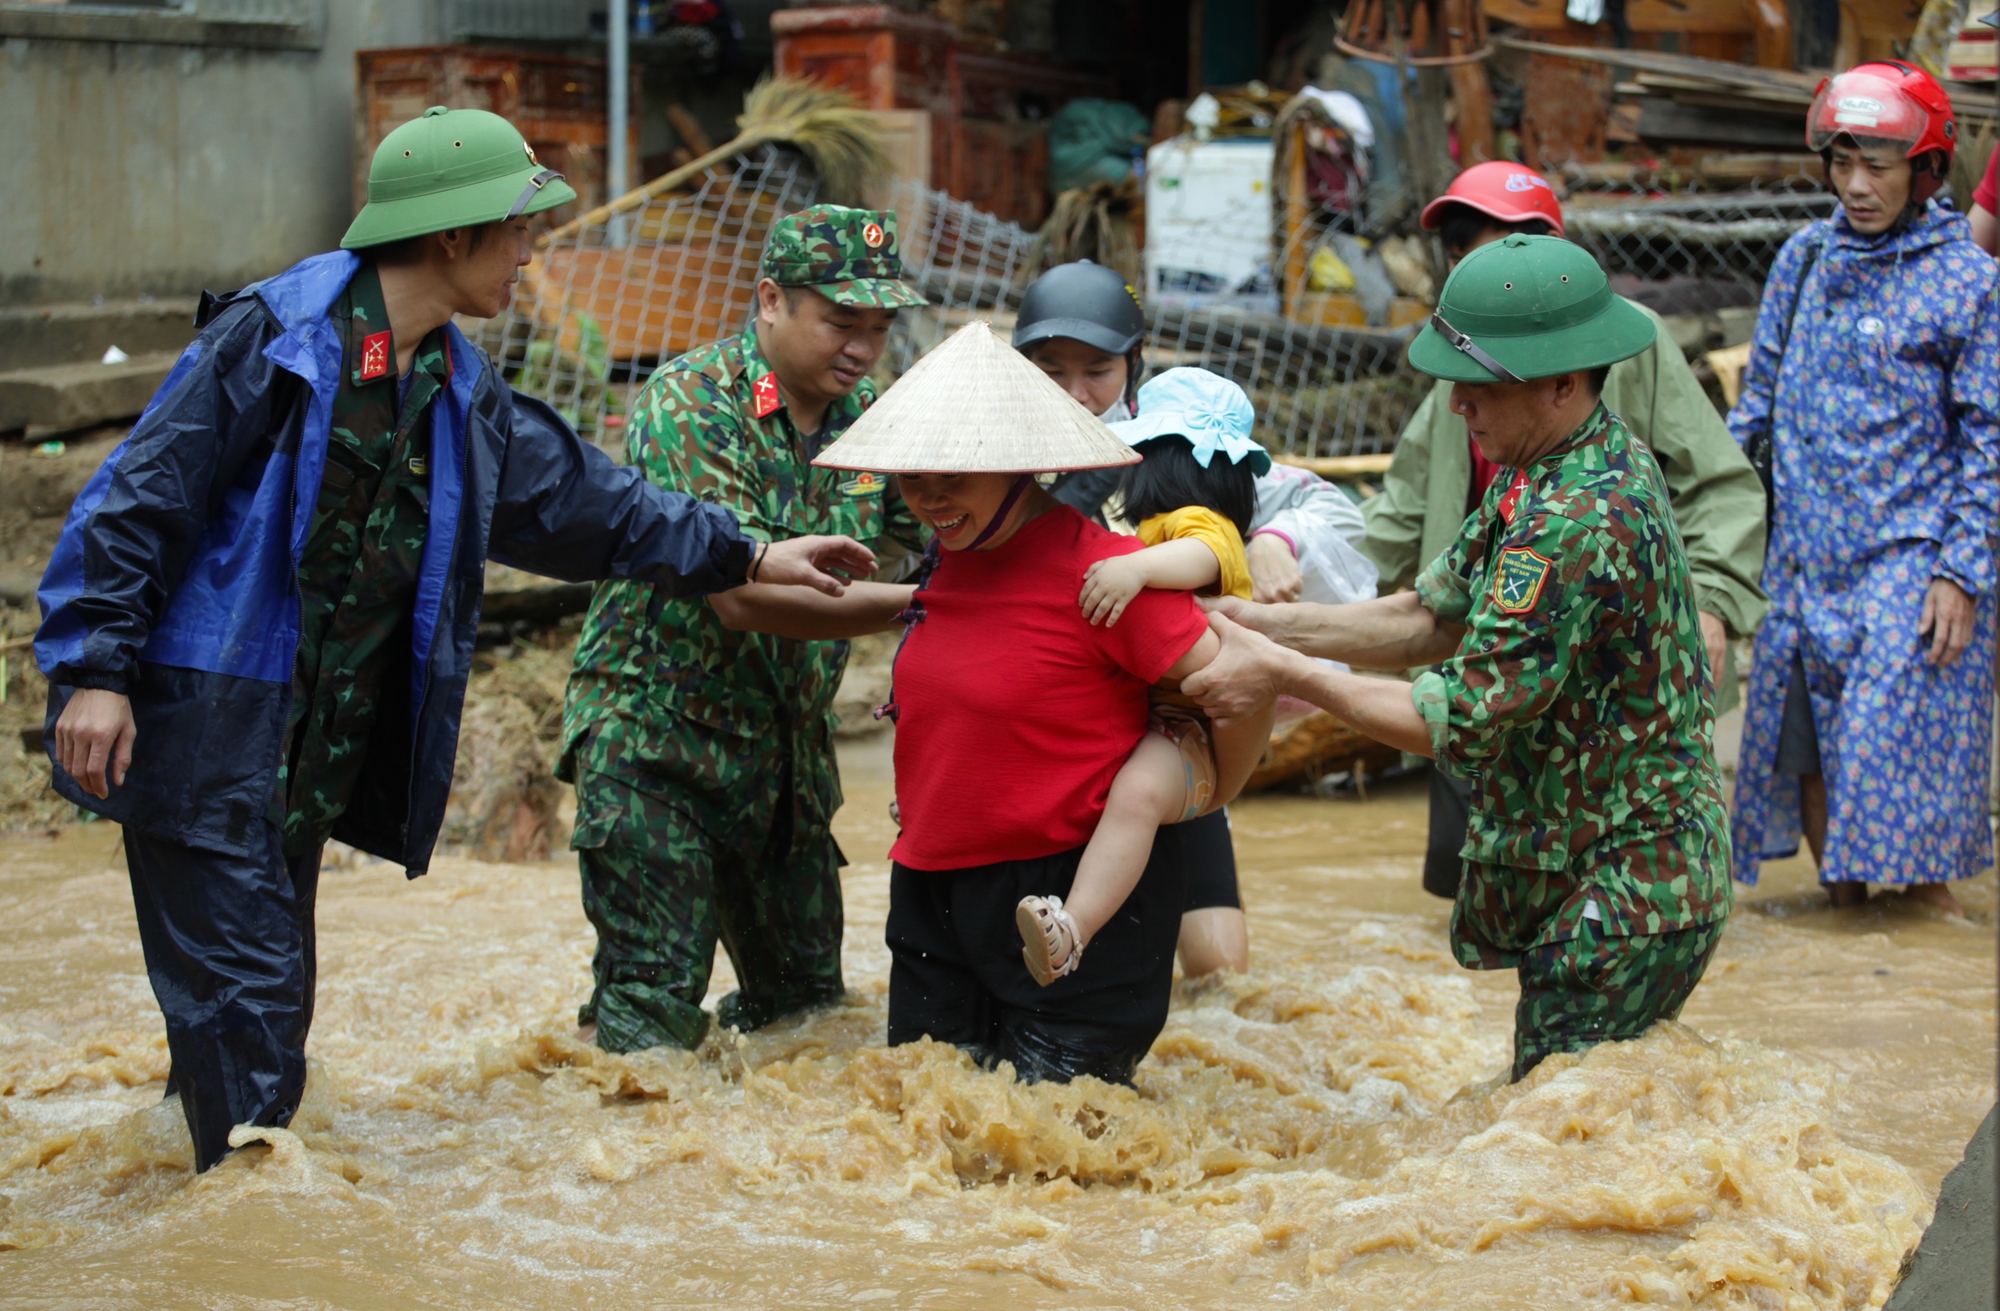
x=847, y=255
x=450, y=169
x=1527, y=307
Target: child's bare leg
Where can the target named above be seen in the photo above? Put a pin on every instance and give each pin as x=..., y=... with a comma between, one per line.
x=1239, y=746
x=1147, y=792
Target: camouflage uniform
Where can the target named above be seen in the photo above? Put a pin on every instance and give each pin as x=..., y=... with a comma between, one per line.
x=703, y=758
x=357, y=576
x=1580, y=706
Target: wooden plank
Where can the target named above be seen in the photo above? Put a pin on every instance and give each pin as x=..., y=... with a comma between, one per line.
x=1773, y=24
x=1340, y=468
x=1659, y=61
x=1685, y=16
x=906, y=139
x=1565, y=112
x=1769, y=100
x=1318, y=742
x=1670, y=120
x=1298, y=214
x=1773, y=167
x=1729, y=363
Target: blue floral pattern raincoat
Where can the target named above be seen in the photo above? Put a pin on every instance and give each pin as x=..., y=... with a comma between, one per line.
x=1886, y=419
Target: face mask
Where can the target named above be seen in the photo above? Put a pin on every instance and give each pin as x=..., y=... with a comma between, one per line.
x=1118, y=413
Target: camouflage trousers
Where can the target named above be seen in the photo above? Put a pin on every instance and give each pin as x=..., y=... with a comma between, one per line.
x=1598, y=987
x=661, y=891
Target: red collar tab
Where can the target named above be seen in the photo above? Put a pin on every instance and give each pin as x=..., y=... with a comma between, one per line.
x=374, y=357
x=1510, y=500
x=764, y=400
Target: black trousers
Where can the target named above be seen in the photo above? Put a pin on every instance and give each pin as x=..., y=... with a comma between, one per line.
x=957, y=974
x=229, y=950
x=1451, y=802
x=1209, y=855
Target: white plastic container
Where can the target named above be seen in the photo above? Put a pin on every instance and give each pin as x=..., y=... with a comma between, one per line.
x=1208, y=224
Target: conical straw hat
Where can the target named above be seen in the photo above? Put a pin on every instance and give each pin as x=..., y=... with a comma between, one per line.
x=976, y=405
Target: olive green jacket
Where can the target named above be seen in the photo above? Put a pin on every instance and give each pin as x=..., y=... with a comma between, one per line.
x=1718, y=500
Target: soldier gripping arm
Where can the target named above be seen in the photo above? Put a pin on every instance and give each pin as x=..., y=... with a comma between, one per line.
x=686, y=442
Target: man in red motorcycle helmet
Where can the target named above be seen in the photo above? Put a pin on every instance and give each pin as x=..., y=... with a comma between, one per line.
x=1886, y=132
x=1874, y=384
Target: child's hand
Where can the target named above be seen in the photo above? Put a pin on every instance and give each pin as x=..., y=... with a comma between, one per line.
x=1109, y=586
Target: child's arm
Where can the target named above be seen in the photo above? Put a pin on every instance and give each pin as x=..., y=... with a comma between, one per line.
x=1182, y=565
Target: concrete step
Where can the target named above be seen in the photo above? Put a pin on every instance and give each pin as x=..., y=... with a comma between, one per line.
x=32, y=336
x=57, y=398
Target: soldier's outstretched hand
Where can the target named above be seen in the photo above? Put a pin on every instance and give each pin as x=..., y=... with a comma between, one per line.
x=825, y=564
x=1256, y=616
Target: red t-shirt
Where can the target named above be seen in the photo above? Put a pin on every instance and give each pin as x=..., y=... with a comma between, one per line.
x=1484, y=471
x=1987, y=194
x=1015, y=713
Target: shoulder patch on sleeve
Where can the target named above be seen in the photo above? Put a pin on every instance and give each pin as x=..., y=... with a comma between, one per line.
x=1519, y=577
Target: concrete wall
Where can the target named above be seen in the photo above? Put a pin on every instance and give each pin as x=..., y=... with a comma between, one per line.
x=138, y=167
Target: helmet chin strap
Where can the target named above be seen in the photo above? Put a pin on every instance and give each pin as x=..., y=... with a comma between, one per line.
x=999, y=518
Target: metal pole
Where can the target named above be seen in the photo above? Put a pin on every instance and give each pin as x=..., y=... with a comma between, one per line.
x=618, y=171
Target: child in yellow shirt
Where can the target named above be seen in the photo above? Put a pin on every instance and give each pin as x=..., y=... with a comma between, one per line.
x=1192, y=496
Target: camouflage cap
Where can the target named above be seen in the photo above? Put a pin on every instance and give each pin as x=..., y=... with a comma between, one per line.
x=847, y=255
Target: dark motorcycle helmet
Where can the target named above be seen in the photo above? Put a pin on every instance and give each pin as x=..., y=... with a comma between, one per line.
x=1089, y=303
x=1084, y=301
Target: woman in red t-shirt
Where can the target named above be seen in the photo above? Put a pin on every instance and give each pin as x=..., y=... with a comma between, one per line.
x=1013, y=714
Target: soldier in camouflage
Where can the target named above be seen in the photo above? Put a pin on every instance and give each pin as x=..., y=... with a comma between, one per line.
x=698, y=734
x=1574, y=690
x=357, y=579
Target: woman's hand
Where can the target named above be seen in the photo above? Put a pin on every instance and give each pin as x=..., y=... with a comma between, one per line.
x=825, y=564
x=1246, y=675
x=1274, y=571
x=1109, y=586
x=1947, y=621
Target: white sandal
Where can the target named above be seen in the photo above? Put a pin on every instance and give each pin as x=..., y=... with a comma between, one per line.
x=1048, y=932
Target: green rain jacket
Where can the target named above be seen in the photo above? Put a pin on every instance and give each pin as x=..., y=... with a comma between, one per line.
x=1718, y=501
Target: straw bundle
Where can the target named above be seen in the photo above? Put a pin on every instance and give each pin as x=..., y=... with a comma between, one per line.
x=836, y=133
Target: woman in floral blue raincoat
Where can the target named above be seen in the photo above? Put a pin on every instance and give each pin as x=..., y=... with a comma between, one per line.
x=1876, y=364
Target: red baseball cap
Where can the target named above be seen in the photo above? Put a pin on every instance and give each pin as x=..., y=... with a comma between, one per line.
x=1500, y=189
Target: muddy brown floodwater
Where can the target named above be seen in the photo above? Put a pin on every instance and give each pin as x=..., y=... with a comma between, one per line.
x=1328, y=1131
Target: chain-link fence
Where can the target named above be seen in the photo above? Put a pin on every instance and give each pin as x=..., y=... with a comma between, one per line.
x=602, y=308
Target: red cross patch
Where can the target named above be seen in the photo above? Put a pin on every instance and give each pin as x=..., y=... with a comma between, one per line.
x=764, y=396
x=374, y=357
x=874, y=236
x=1510, y=501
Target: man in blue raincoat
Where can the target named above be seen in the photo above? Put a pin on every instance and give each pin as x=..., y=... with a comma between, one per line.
x=259, y=620
x=1876, y=372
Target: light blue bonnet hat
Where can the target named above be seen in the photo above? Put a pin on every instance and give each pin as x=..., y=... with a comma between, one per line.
x=1208, y=409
